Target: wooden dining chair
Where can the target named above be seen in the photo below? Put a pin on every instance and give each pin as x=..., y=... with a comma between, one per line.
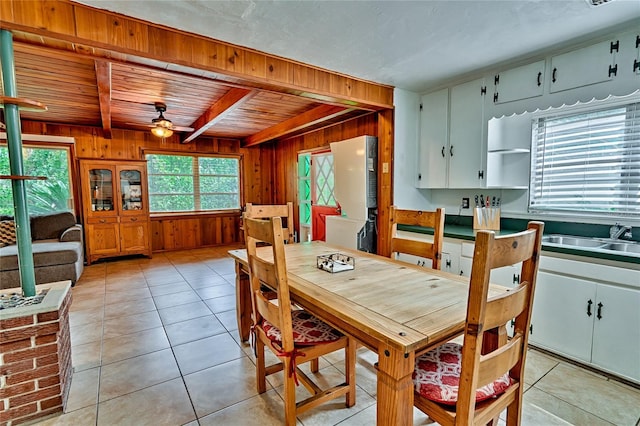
x=475, y=382
x=427, y=219
x=264, y=211
x=294, y=335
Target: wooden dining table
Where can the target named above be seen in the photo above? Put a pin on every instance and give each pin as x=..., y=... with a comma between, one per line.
x=395, y=309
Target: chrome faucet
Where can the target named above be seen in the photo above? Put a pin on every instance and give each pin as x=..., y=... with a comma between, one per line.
x=618, y=231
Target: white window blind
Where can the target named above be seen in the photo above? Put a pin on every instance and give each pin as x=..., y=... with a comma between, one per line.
x=587, y=162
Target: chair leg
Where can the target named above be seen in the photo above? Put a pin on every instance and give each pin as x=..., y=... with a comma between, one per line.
x=350, y=371
x=315, y=365
x=289, y=394
x=514, y=411
x=261, y=379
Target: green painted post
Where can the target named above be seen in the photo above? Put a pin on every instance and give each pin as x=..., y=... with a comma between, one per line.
x=14, y=145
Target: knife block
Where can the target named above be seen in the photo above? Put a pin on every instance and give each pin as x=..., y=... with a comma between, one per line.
x=486, y=218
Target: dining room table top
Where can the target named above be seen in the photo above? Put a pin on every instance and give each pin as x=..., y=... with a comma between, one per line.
x=379, y=301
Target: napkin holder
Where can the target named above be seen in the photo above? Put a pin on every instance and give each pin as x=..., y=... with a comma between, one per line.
x=336, y=262
x=486, y=218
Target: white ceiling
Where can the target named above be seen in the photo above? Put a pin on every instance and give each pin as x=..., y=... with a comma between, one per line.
x=413, y=45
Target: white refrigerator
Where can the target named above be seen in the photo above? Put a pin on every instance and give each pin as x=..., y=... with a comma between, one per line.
x=355, y=189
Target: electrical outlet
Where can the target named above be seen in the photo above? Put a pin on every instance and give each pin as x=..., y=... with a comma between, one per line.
x=465, y=203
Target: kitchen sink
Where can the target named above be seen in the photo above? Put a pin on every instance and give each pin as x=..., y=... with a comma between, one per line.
x=623, y=247
x=604, y=245
x=566, y=240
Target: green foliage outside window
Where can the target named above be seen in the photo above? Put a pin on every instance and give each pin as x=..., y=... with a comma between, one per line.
x=179, y=183
x=43, y=196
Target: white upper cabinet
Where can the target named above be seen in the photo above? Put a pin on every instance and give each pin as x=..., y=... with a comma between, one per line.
x=453, y=137
x=636, y=60
x=434, y=140
x=582, y=67
x=467, y=135
x=519, y=83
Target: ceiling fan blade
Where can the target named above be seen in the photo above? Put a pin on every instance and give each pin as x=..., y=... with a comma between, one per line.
x=173, y=127
x=182, y=128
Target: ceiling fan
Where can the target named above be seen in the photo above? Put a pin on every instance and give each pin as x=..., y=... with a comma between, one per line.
x=163, y=127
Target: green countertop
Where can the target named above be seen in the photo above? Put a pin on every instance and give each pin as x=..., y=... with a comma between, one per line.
x=464, y=231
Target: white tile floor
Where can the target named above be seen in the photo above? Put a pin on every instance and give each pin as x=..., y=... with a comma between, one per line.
x=154, y=341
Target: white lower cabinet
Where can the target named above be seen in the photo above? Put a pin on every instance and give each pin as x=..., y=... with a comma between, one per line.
x=616, y=331
x=588, y=320
x=450, y=257
x=560, y=320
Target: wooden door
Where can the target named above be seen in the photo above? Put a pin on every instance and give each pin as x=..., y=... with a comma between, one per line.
x=323, y=202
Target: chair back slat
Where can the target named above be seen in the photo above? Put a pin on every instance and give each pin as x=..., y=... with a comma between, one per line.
x=426, y=219
x=511, y=249
x=265, y=211
x=505, y=307
x=496, y=363
x=413, y=247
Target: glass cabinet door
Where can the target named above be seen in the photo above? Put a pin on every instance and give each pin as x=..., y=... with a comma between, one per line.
x=131, y=189
x=101, y=184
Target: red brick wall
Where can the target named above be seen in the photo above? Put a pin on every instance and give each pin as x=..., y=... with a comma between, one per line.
x=35, y=365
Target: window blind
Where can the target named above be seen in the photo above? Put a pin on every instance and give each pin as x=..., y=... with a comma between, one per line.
x=587, y=162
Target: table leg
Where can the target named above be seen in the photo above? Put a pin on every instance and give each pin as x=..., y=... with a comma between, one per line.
x=395, y=387
x=243, y=302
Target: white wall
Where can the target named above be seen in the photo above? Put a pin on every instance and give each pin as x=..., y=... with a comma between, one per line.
x=405, y=152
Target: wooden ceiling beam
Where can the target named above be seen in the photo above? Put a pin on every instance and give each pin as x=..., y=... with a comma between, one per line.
x=103, y=79
x=306, y=119
x=216, y=112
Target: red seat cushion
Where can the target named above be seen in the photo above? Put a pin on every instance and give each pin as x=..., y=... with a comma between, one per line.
x=307, y=330
x=437, y=375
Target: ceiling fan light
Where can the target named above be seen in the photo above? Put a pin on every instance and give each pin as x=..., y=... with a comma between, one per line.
x=161, y=132
x=162, y=122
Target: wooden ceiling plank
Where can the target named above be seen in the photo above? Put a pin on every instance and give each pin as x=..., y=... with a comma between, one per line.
x=103, y=78
x=216, y=112
x=306, y=119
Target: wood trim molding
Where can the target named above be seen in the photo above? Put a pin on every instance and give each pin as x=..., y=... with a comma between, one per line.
x=95, y=29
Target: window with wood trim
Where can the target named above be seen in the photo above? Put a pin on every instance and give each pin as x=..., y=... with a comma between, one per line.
x=193, y=183
x=55, y=194
x=587, y=162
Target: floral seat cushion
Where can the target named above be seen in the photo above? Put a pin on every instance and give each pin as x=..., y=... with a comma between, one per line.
x=437, y=375
x=307, y=330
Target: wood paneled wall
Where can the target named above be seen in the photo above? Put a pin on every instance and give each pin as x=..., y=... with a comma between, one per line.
x=269, y=172
x=285, y=159
x=184, y=231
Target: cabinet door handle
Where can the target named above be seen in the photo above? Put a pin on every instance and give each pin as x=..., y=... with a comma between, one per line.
x=589, y=303
x=103, y=221
x=443, y=151
x=599, y=314
x=539, y=79
x=448, y=263
x=451, y=150
x=553, y=75
x=516, y=279
x=133, y=219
